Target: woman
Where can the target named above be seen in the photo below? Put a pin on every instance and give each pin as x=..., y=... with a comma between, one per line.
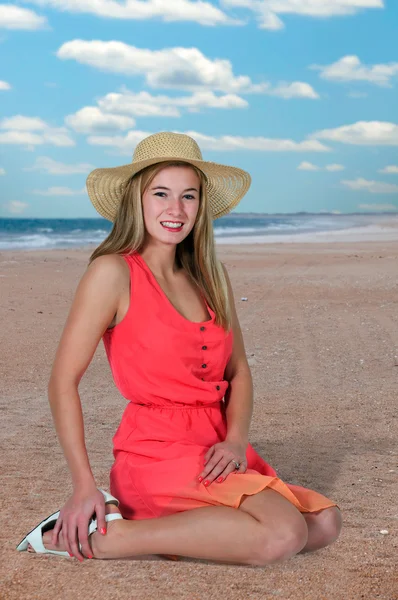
x=185, y=479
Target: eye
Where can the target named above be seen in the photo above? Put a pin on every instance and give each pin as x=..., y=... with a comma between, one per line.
x=159, y=193
x=190, y=197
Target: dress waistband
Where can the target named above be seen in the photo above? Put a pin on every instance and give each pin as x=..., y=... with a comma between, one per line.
x=216, y=404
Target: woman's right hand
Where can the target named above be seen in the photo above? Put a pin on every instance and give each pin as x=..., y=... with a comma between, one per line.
x=74, y=519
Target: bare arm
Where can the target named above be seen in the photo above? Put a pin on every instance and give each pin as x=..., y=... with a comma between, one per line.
x=239, y=395
x=94, y=306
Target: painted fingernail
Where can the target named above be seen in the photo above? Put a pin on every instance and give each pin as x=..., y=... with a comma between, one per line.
x=207, y=482
x=89, y=556
x=200, y=479
x=71, y=555
x=103, y=530
x=219, y=479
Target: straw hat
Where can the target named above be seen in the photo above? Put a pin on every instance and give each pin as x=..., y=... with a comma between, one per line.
x=225, y=185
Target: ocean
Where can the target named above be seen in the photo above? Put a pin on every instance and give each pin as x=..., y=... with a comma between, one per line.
x=36, y=234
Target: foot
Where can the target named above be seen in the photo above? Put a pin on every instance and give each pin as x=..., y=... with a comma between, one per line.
x=94, y=543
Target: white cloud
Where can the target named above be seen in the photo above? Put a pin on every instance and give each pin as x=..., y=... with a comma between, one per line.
x=376, y=207
x=182, y=68
x=23, y=138
x=15, y=17
x=59, y=191
x=374, y=187
x=144, y=104
x=4, y=86
x=297, y=89
x=91, y=119
x=362, y=133
x=15, y=207
x=53, y=167
x=262, y=144
x=267, y=11
x=307, y=166
x=223, y=143
x=32, y=131
x=198, y=11
x=350, y=68
x=141, y=104
x=2, y=171
x=114, y=110
x=124, y=144
x=175, y=68
x=335, y=167
x=21, y=123
x=390, y=170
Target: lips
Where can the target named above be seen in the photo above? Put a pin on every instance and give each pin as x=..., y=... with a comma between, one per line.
x=169, y=228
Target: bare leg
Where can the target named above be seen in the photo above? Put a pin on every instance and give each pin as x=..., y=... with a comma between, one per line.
x=323, y=528
x=218, y=533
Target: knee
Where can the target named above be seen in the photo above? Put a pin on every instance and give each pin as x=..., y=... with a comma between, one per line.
x=283, y=541
x=331, y=523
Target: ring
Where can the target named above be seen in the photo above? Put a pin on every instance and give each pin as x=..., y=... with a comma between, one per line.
x=237, y=465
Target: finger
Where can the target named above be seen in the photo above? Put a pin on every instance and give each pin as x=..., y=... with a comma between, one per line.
x=66, y=538
x=56, y=530
x=72, y=536
x=218, y=469
x=209, y=454
x=242, y=468
x=211, y=464
x=227, y=471
x=82, y=532
x=100, y=512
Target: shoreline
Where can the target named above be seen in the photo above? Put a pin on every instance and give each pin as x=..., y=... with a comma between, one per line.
x=376, y=228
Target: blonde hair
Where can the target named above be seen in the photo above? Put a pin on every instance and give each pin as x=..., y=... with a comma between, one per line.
x=196, y=254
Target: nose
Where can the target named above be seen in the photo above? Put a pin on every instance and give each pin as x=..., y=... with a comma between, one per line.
x=176, y=207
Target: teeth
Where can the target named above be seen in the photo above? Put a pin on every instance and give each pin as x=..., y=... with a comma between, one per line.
x=168, y=224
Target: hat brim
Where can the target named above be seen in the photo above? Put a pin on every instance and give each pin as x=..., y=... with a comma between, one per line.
x=225, y=185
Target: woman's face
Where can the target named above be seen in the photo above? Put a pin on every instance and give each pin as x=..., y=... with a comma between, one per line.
x=170, y=204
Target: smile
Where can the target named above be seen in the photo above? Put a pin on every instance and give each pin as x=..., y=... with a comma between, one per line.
x=172, y=225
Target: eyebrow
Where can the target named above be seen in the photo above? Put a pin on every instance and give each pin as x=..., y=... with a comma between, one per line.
x=161, y=187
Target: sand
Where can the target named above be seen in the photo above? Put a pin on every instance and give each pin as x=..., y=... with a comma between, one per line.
x=321, y=332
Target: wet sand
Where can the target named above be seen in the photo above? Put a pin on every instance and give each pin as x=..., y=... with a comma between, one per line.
x=321, y=332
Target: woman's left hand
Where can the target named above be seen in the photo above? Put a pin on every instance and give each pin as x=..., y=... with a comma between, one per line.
x=218, y=461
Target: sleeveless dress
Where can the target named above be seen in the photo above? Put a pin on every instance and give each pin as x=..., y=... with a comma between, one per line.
x=171, y=372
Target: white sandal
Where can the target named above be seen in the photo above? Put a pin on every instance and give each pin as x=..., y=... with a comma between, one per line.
x=35, y=537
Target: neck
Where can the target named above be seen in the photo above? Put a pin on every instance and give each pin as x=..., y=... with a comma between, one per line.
x=161, y=260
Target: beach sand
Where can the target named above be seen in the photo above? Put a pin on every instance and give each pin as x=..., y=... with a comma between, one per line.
x=321, y=332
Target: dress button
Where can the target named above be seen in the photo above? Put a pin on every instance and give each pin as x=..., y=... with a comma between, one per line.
x=217, y=387
x=202, y=328
x=204, y=347
x=204, y=366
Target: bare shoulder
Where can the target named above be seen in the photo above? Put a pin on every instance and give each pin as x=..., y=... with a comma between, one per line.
x=107, y=277
x=109, y=267
x=94, y=305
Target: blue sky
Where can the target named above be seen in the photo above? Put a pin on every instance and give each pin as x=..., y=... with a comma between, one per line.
x=302, y=94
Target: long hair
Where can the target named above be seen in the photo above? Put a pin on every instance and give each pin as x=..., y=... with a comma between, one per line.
x=196, y=254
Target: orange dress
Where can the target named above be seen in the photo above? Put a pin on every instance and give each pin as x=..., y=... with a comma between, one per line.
x=171, y=372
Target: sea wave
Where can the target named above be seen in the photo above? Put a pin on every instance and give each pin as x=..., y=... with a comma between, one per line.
x=36, y=234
